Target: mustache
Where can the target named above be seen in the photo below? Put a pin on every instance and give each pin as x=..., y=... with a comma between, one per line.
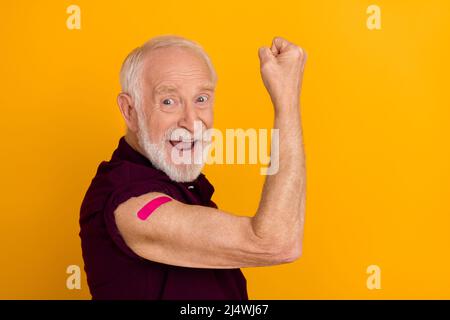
x=184, y=135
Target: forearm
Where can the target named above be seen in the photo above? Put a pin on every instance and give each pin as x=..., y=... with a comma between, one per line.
x=280, y=215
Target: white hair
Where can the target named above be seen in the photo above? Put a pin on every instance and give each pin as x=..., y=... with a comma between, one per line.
x=131, y=70
x=131, y=75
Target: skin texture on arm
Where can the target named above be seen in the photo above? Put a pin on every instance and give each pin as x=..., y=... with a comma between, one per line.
x=281, y=211
x=193, y=236
x=204, y=237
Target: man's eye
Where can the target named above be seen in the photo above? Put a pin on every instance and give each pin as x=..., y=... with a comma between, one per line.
x=202, y=99
x=168, y=102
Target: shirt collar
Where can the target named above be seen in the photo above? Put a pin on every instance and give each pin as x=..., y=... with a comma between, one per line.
x=126, y=152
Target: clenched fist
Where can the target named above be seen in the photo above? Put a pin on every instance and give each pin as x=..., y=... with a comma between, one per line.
x=282, y=71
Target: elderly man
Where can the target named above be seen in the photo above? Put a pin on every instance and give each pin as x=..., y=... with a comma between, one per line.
x=149, y=229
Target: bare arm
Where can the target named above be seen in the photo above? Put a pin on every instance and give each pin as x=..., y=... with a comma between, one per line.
x=194, y=236
x=281, y=211
x=204, y=237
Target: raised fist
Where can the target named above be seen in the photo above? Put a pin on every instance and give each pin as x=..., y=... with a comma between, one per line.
x=282, y=70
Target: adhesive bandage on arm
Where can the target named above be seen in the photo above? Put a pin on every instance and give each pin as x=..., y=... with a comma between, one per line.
x=151, y=206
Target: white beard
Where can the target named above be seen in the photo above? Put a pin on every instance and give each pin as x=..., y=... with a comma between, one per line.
x=159, y=155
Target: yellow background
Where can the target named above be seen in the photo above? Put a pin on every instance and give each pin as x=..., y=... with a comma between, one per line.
x=376, y=113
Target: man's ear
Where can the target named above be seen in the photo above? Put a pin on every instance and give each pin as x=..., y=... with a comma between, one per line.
x=128, y=110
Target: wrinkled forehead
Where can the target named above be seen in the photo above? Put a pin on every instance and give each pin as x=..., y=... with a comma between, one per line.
x=175, y=64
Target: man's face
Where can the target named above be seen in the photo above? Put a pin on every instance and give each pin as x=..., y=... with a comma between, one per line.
x=177, y=97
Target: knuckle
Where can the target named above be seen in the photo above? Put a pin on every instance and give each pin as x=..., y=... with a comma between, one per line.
x=299, y=53
x=278, y=38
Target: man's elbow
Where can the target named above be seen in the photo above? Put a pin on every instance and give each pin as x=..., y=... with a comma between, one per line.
x=274, y=251
x=289, y=253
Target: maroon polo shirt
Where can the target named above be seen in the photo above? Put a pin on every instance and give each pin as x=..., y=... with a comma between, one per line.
x=113, y=270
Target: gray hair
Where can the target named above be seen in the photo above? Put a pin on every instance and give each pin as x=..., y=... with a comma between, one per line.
x=131, y=70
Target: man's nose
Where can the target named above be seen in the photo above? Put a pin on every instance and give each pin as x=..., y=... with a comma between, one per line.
x=189, y=117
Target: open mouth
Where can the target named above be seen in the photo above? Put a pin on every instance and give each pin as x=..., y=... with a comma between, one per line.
x=183, y=144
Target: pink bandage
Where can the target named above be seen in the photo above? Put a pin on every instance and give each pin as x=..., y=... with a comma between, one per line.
x=148, y=209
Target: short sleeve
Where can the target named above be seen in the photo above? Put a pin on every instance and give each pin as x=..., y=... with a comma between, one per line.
x=120, y=195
